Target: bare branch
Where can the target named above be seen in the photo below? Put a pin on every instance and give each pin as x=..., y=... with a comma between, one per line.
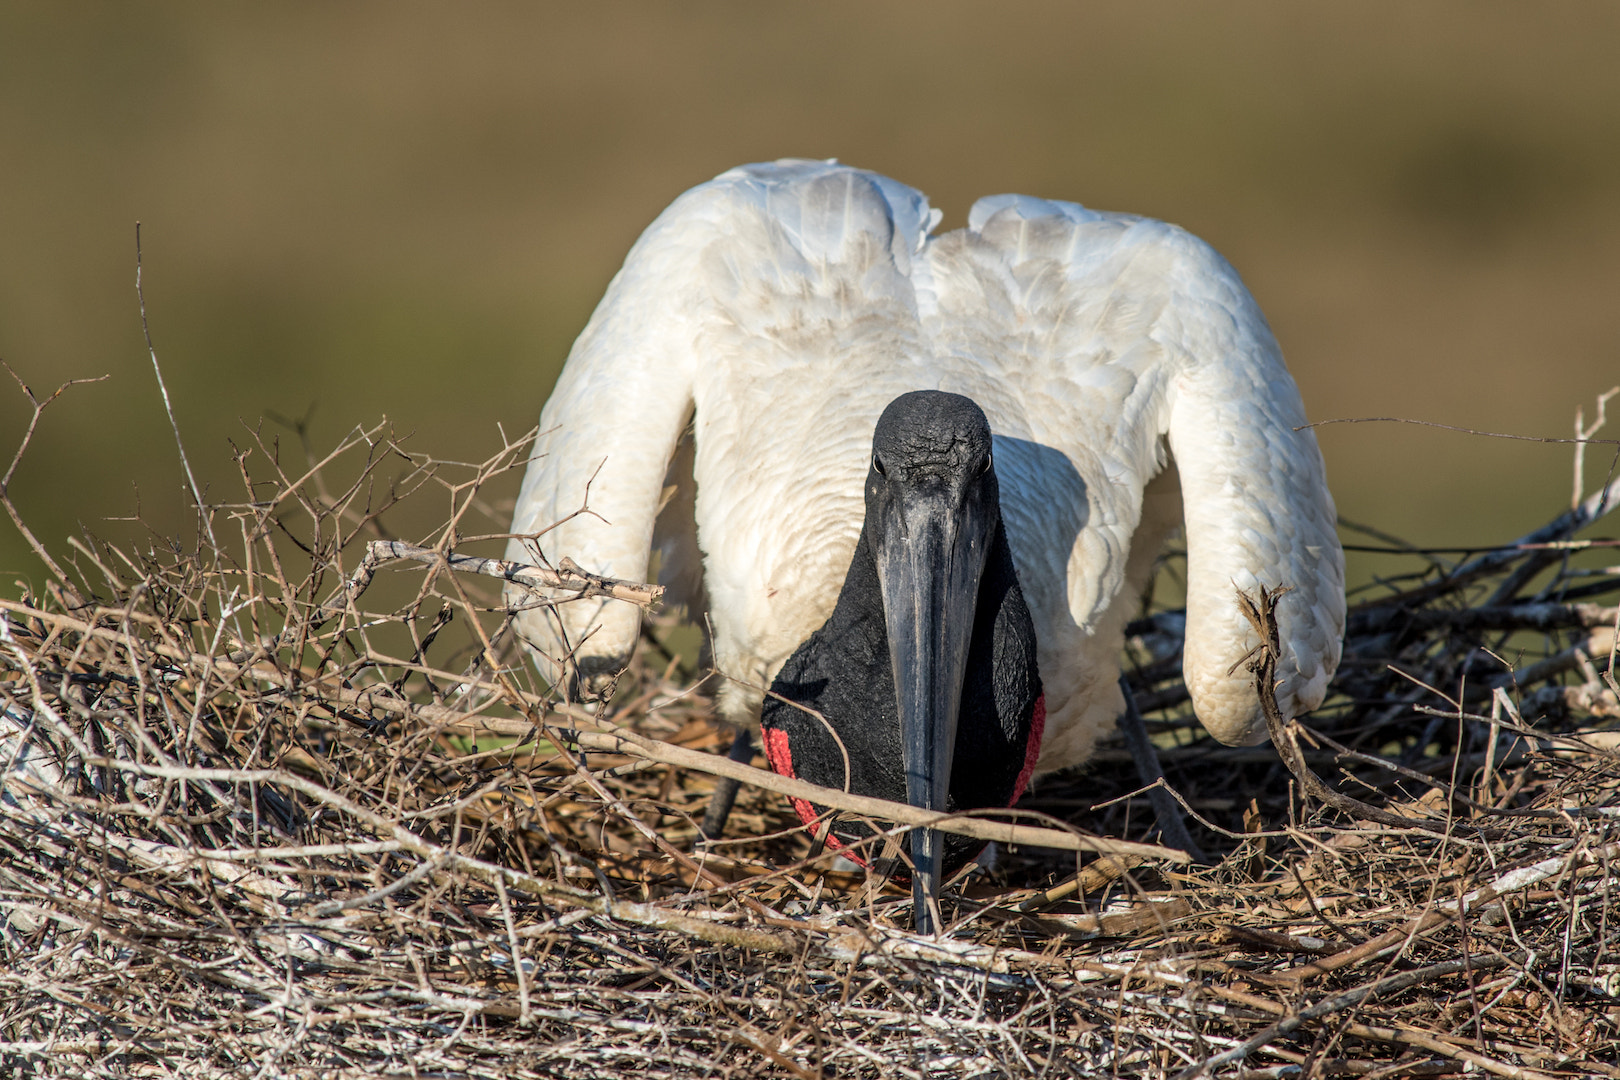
x=16, y=459
x=568, y=576
x=196, y=493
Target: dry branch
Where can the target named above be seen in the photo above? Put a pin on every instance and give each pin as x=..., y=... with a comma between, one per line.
x=568, y=576
x=1262, y=616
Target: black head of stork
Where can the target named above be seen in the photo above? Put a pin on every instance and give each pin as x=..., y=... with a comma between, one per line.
x=923, y=680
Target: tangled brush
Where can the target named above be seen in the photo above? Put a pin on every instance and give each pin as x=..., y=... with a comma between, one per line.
x=287, y=801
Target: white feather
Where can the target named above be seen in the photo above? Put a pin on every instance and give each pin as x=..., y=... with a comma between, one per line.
x=780, y=307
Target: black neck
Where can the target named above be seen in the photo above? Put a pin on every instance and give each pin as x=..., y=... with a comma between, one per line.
x=844, y=673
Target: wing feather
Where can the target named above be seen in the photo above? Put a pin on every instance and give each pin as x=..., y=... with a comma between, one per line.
x=730, y=312
x=1117, y=342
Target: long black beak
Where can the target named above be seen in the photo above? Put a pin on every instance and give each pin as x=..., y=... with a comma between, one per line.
x=929, y=562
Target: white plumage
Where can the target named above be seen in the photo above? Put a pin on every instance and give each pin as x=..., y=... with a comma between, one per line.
x=773, y=312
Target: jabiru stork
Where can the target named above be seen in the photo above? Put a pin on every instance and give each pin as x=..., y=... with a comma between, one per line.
x=918, y=483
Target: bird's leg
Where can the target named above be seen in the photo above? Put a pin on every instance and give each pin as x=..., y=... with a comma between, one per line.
x=1172, y=829
x=725, y=791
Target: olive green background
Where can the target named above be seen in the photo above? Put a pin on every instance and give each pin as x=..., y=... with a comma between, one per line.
x=409, y=210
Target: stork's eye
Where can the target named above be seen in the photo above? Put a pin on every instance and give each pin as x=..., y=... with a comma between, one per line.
x=877, y=463
x=986, y=466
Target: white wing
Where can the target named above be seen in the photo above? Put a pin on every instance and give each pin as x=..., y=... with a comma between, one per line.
x=606, y=436
x=1115, y=338
x=775, y=301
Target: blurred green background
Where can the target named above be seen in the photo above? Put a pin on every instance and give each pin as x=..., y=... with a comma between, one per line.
x=369, y=209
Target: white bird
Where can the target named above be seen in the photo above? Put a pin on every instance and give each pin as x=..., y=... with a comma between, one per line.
x=721, y=404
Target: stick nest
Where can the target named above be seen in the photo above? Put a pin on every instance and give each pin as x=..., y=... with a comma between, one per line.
x=269, y=809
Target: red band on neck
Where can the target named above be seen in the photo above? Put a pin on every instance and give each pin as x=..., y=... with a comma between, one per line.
x=781, y=760
x=1032, y=750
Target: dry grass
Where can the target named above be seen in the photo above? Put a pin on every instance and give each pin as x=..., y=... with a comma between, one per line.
x=247, y=830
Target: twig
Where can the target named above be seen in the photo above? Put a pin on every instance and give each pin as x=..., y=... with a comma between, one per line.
x=649, y=915
x=1450, y=427
x=1483, y=896
x=570, y=578
x=196, y=492
x=1095, y=875
x=1270, y=939
x=1402, y=1035
x=1540, y=616
x=1348, y=999
x=1583, y=436
x=1595, y=506
x=568, y=575
x=11, y=470
x=964, y=824
x=1262, y=616
x=1171, y=824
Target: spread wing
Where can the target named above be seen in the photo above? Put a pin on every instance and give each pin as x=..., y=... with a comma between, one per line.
x=1121, y=342
x=742, y=309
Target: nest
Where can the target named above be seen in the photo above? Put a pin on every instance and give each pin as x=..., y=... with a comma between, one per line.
x=269, y=809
